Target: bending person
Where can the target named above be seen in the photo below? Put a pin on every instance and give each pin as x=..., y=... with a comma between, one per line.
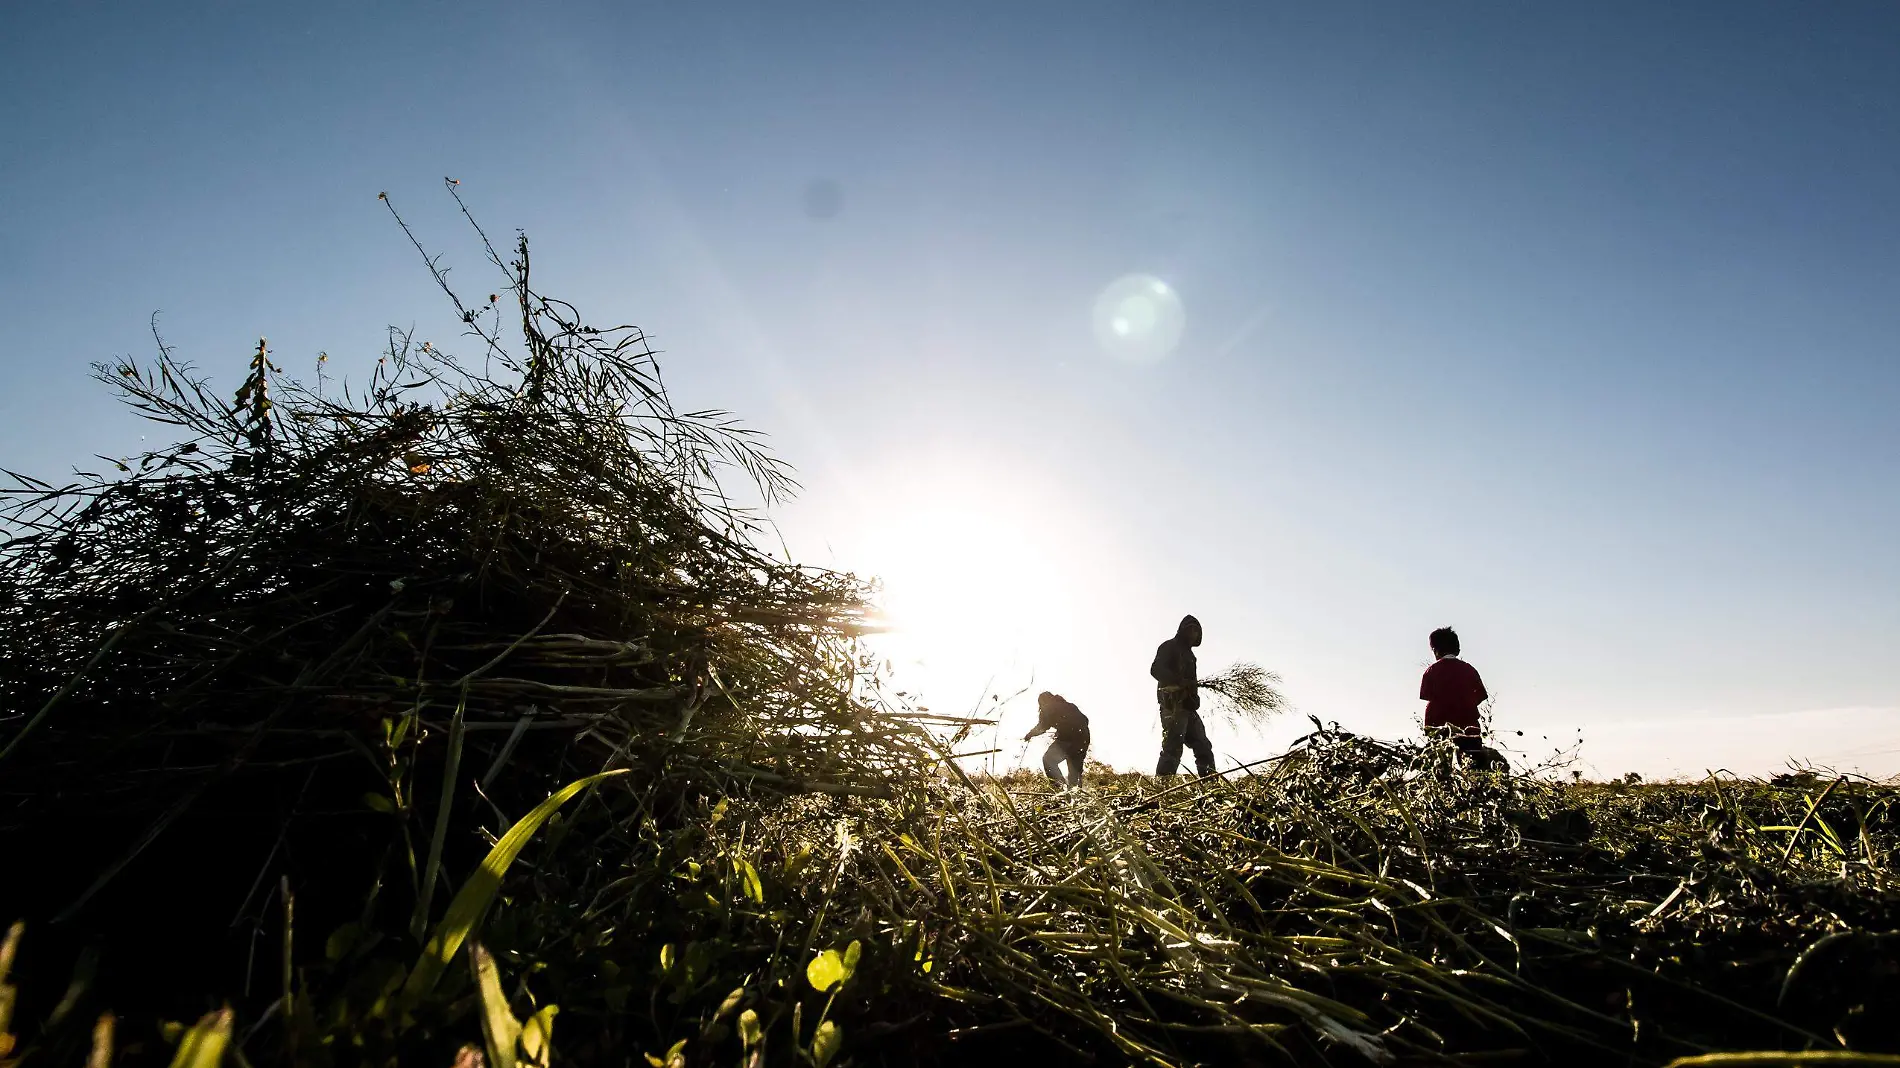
x=1177, y=689
x=1071, y=743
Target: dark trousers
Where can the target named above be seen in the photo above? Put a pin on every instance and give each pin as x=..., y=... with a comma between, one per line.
x=1182, y=726
x=1071, y=750
x=1471, y=749
x=1467, y=741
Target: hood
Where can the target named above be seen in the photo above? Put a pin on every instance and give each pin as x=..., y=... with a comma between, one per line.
x=1189, y=630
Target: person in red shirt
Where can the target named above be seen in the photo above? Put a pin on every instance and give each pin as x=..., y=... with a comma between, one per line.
x=1452, y=692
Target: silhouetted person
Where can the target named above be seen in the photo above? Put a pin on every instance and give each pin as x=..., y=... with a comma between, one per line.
x=1452, y=692
x=1177, y=688
x=1071, y=742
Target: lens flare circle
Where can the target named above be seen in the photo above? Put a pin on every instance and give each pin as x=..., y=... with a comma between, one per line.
x=1138, y=318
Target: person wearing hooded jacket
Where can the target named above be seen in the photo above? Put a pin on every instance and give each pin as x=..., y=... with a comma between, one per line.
x=1177, y=689
x=1071, y=744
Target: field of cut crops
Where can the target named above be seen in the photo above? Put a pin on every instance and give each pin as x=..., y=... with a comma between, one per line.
x=459, y=718
x=1355, y=902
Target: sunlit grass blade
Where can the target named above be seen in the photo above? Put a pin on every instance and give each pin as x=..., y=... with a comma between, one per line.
x=473, y=899
x=203, y=1045
x=500, y=1030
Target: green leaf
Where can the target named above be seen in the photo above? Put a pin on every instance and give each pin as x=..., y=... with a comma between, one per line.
x=667, y=957
x=341, y=941
x=537, y=1037
x=9, y=947
x=675, y=1057
x=466, y=910
x=203, y=1046
x=826, y=1043
x=754, y=889
x=750, y=1032
x=379, y=803
x=831, y=968
x=825, y=971
x=438, y=839
x=8, y=992
x=500, y=1029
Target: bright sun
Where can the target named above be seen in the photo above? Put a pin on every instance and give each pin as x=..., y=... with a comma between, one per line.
x=974, y=591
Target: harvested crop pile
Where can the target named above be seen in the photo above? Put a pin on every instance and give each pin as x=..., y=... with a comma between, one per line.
x=334, y=639
x=459, y=719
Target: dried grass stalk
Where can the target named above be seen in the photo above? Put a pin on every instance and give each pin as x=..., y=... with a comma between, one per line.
x=1246, y=692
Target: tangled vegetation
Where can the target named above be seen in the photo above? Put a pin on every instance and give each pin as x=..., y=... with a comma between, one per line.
x=461, y=720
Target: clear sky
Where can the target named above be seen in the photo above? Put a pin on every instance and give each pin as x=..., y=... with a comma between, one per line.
x=1576, y=326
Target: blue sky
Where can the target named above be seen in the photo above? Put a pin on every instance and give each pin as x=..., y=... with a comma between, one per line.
x=1571, y=325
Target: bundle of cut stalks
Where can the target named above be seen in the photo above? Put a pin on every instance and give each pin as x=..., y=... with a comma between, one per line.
x=1246, y=693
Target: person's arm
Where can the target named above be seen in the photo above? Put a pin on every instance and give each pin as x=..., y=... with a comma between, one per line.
x=1172, y=667
x=1425, y=685
x=1042, y=724
x=1477, y=685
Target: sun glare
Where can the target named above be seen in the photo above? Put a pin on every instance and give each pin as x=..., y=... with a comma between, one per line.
x=973, y=593
x=1139, y=319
